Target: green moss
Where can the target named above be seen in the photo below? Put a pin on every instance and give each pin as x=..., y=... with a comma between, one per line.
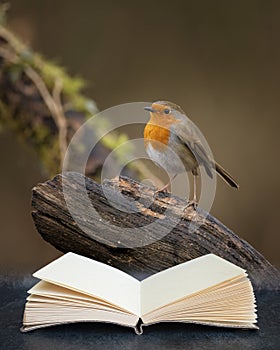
x=43, y=137
x=44, y=141
x=3, y=13
x=15, y=71
x=51, y=72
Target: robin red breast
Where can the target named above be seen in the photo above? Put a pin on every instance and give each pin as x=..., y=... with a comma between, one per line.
x=169, y=131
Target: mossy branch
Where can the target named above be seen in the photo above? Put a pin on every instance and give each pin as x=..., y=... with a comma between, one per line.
x=44, y=106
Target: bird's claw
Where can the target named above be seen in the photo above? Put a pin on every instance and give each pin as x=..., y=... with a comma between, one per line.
x=162, y=192
x=193, y=204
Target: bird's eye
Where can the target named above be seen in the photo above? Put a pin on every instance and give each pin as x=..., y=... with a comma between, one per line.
x=167, y=111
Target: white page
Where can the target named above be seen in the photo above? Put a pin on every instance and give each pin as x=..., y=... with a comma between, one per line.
x=94, y=278
x=179, y=281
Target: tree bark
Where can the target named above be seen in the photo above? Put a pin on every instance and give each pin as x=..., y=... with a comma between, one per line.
x=102, y=235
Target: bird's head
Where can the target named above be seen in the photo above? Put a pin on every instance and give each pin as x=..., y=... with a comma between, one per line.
x=161, y=109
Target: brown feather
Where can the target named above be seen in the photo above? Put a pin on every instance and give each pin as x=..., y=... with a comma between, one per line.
x=226, y=176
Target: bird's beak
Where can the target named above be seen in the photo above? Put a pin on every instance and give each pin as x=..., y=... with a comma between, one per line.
x=149, y=109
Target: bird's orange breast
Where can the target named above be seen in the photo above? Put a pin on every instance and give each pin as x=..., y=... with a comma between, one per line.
x=157, y=131
x=157, y=135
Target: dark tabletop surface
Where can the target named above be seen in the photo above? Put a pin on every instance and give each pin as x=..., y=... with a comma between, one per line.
x=107, y=336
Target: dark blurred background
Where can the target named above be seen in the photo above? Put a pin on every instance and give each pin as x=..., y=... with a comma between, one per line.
x=219, y=60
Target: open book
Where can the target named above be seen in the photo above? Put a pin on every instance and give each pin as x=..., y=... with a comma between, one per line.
x=207, y=290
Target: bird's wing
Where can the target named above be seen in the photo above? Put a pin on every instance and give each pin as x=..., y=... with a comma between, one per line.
x=187, y=136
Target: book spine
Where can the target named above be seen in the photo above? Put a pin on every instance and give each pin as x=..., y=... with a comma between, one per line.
x=139, y=327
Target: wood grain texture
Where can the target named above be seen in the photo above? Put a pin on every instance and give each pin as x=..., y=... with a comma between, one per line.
x=57, y=226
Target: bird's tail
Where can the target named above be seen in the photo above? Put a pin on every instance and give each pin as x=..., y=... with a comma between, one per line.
x=226, y=176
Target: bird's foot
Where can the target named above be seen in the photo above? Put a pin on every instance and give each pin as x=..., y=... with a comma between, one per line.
x=163, y=190
x=161, y=193
x=192, y=204
x=166, y=188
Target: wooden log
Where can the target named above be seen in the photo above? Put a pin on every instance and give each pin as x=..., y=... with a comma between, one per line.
x=57, y=226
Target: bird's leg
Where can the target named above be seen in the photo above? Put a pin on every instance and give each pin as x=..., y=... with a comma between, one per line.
x=167, y=185
x=194, y=187
x=193, y=202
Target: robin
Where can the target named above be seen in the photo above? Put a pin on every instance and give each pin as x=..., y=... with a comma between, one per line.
x=169, y=131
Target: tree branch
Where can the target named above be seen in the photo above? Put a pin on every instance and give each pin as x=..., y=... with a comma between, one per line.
x=57, y=226
x=44, y=106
